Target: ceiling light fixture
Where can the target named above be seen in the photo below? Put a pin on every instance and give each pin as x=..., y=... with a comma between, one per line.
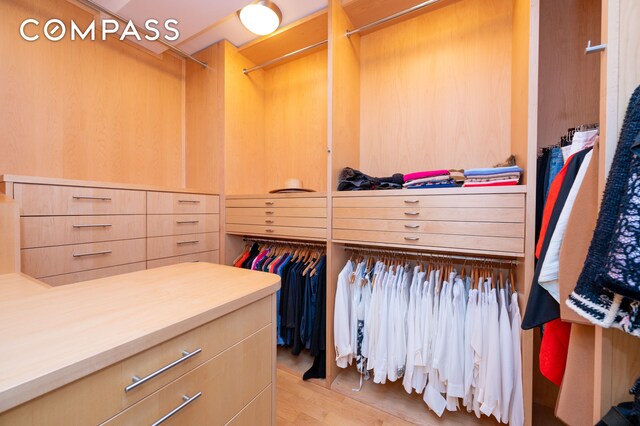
x=261, y=17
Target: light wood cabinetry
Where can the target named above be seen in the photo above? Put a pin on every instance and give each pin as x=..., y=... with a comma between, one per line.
x=292, y=216
x=228, y=359
x=79, y=230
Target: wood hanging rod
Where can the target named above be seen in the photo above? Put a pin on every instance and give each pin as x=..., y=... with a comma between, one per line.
x=381, y=251
x=96, y=6
x=246, y=71
x=392, y=17
x=284, y=242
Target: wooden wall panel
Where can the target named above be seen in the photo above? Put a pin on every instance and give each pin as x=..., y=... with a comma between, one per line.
x=93, y=110
x=295, y=102
x=569, y=80
x=204, y=120
x=436, y=90
x=245, y=168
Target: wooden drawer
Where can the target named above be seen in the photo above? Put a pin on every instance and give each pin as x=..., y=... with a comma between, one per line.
x=278, y=202
x=94, y=274
x=278, y=231
x=49, y=200
x=101, y=395
x=451, y=214
x=224, y=385
x=457, y=200
x=233, y=212
x=178, y=245
x=177, y=203
x=307, y=222
x=437, y=241
x=43, y=231
x=162, y=225
x=488, y=229
x=258, y=412
x=48, y=261
x=207, y=256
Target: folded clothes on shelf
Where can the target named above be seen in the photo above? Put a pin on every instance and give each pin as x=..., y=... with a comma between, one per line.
x=490, y=171
x=425, y=174
x=493, y=176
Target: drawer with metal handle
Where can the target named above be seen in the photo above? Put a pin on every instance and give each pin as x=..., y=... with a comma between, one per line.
x=207, y=256
x=44, y=231
x=212, y=393
x=178, y=245
x=160, y=225
x=58, y=260
x=305, y=222
x=181, y=203
x=293, y=202
x=53, y=200
x=291, y=232
x=458, y=198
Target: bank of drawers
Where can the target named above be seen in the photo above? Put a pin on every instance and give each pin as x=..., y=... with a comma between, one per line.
x=76, y=233
x=278, y=217
x=181, y=227
x=462, y=222
x=228, y=360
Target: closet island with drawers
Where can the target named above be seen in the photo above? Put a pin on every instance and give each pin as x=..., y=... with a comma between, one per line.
x=233, y=154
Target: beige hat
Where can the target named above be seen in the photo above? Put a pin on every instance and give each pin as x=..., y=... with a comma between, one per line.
x=291, y=185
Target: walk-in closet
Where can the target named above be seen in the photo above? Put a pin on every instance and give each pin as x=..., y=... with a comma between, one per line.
x=384, y=209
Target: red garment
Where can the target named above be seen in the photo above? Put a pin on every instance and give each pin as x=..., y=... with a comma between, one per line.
x=240, y=261
x=554, y=350
x=554, y=191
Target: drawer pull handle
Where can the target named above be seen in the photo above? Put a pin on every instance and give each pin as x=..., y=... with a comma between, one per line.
x=180, y=243
x=179, y=408
x=87, y=197
x=94, y=253
x=189, y=201
x=96, y=225
x=137, y=381
x=185, y=222
x=270, y=230
x=269, y=212
x=412, y=238
x=412, y=226
x=411, y=213
x=269, y=203
x=411, y=201
x=268, y=221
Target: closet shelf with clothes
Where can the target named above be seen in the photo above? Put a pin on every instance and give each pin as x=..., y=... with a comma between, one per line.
x=301, y=300
x=453, y=338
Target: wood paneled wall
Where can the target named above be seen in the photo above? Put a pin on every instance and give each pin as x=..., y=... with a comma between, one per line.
x=569, y=80
x=295, y=102
x=204, y=120
x=94, y=110
x=436, y=90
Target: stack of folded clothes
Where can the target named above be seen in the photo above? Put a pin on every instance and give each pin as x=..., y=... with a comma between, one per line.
x=495, y=176
x=429, y=179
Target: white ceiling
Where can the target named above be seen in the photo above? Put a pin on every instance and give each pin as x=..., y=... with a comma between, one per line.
x=204, y=22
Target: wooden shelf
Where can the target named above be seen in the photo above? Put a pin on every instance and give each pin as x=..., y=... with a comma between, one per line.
x=516, y=189
x=393, y=399
x=285, y=195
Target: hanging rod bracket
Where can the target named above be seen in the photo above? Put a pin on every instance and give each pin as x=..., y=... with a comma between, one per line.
x=593, y=49
x=373, y=24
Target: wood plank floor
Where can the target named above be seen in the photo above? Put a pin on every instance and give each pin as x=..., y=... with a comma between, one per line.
x=302, y=403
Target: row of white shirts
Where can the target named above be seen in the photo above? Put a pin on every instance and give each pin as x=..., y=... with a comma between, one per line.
x=448, y=342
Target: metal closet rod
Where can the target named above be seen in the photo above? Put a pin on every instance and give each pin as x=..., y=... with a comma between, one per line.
x=170, y=46
x=392, y=17
x=370, y=250
x=284, y=242
x=280, y=58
